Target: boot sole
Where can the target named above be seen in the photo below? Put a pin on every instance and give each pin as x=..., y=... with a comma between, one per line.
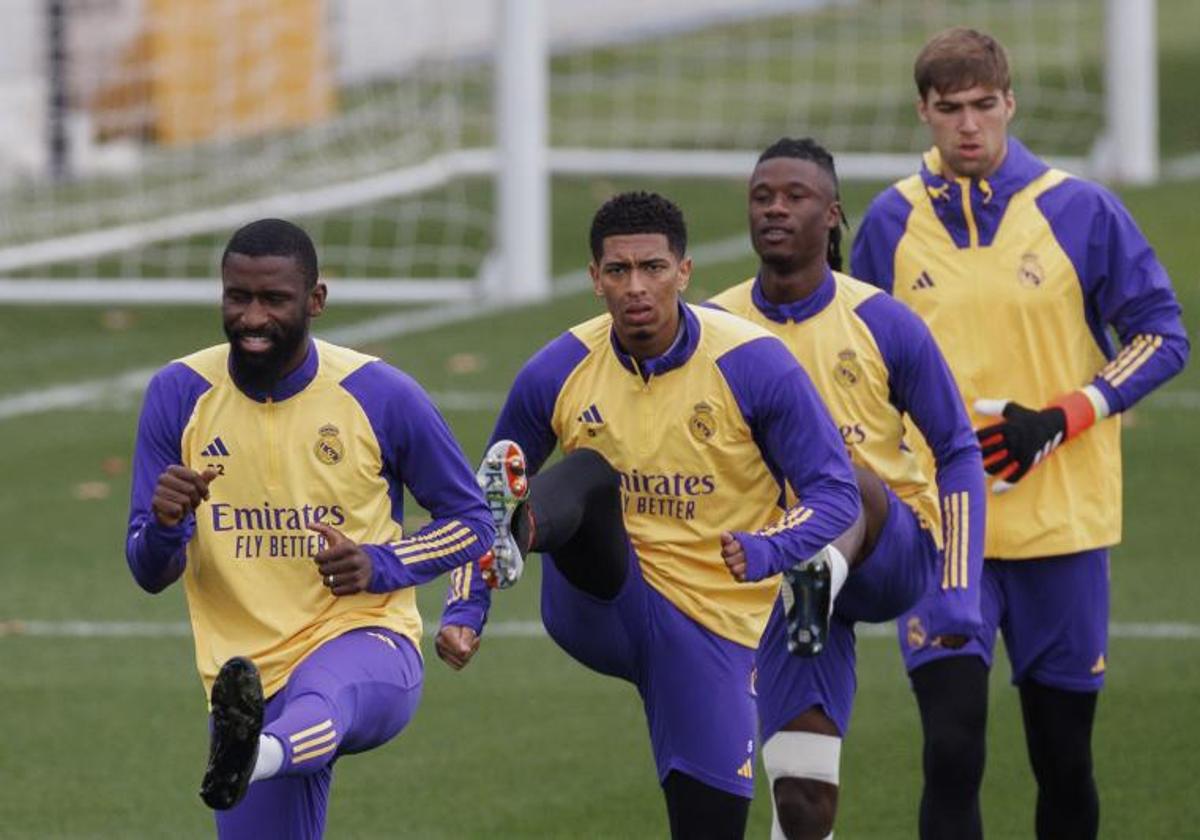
x=237, y=712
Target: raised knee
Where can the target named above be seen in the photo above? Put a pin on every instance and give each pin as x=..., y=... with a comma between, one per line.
x=805, y=807
x=595, y=465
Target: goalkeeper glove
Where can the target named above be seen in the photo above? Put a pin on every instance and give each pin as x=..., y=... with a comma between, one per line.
x=1026, y=437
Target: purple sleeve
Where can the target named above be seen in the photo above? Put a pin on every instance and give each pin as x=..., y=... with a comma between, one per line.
x=525, y=418
x=420, y=453
x=157, y=554
x=1124, y=286
x=922, y=386
x=800, y=443
x=468, y=599
x=873, y=255
x=527, y=413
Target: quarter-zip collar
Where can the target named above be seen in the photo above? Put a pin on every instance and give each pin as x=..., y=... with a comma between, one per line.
x=971, y=209
x=798, y=310
x=686, y=340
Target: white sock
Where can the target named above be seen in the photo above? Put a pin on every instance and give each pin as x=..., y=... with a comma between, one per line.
x=270, y=758
x=839, y=570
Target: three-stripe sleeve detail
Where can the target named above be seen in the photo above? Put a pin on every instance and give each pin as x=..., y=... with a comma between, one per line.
x=956, y=529
x=793, y=518
x=460, y=583
x=313, y=742
x=449, y=539
x=1131, y=358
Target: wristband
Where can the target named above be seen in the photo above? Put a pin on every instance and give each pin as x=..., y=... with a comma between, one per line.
x=1082, y=409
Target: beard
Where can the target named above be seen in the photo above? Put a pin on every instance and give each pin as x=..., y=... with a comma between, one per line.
x=261, y=371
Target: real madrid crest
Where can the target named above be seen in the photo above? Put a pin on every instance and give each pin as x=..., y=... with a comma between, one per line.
x=703, y=422
x=916, y=632
x=847, y=372
x=1030, y=273
x=328, y=448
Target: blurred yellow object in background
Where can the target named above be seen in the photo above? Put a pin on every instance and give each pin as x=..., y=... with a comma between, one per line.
x=199, y=70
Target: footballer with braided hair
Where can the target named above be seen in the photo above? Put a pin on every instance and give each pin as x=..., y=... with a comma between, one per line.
x=878, y=370
x=806, y=148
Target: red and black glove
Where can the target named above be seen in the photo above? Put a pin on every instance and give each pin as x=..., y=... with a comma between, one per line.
x=1027, y=436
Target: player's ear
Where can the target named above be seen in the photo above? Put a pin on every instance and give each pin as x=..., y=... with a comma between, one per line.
x=1010, y=103
x=685, y=274
x=316, y=299
x=923, y=110
x=834, y=215
x=594, y=272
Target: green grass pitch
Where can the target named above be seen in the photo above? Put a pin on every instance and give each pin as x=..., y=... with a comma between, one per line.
x=107, y=737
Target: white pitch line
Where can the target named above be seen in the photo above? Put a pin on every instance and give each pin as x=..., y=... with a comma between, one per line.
x=1177, y=398
x=110, y=389
x=1182, y=168
x=113, y=390
x=1116, y=630
x=1170, y=631
x=118, y=390
x=469, y=400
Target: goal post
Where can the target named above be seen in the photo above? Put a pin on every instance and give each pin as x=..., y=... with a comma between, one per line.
x=419, y=148
x=523, y=216
x=1131, y=88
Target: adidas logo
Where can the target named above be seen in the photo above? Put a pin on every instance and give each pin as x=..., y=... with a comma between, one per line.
x=592, y=419
x=746, y=771
x=216, y=449
x=923, y=282
x=592, y=415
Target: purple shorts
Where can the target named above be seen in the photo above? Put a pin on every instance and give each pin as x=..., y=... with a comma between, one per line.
x=896, y=574
x=351, y=694
x=894, y=577
x=695, y=685
x=787, y=685
x=1053, y=613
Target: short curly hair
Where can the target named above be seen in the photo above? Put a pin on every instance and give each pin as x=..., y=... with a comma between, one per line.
x=639, y=212
x=276, y=238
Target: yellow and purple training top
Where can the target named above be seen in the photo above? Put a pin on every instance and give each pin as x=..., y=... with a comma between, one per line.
x=1019, y=277
x=879, y=371
x=723, y=432
x=335, y=442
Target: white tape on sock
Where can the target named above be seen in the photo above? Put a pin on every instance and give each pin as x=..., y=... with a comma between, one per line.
x=803, y=755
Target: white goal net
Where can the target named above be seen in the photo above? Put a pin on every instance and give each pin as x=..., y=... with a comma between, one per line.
x=136, y=134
